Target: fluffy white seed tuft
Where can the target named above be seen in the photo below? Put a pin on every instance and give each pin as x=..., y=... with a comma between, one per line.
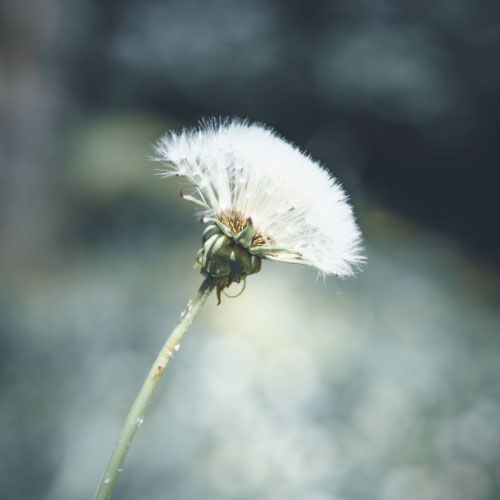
x=237, y=167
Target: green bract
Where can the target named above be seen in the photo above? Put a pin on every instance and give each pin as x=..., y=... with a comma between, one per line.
x=227, y=257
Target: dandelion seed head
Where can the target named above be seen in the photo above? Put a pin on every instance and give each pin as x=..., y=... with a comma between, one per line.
x=242, y=173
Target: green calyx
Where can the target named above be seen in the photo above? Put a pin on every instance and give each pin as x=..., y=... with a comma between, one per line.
x=233, y=249
x=226, y=257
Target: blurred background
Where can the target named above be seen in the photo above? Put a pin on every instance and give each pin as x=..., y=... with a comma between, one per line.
x=382, y=387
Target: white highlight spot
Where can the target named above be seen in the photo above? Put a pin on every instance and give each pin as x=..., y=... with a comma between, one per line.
x=187, y=310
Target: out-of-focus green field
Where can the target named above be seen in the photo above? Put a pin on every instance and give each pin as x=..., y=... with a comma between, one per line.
x=381, y=387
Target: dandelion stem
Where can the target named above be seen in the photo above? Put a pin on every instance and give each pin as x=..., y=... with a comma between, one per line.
x=136, y=414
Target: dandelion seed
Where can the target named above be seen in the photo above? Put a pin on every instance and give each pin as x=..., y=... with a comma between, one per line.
x=261, y=197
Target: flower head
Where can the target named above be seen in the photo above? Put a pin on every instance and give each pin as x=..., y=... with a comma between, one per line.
x=261, y=198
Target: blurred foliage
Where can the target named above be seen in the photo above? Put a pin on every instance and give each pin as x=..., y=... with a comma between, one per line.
x=385, y=386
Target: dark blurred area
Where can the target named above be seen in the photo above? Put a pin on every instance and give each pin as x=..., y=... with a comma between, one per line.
x=400, y=100
x=405, y=95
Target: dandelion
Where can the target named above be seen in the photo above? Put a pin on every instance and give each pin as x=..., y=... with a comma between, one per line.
x=260, y=198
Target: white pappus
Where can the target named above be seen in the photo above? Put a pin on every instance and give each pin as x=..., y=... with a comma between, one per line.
x=264, y=193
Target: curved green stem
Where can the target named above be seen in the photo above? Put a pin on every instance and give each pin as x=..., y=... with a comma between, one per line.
x=136, y=414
